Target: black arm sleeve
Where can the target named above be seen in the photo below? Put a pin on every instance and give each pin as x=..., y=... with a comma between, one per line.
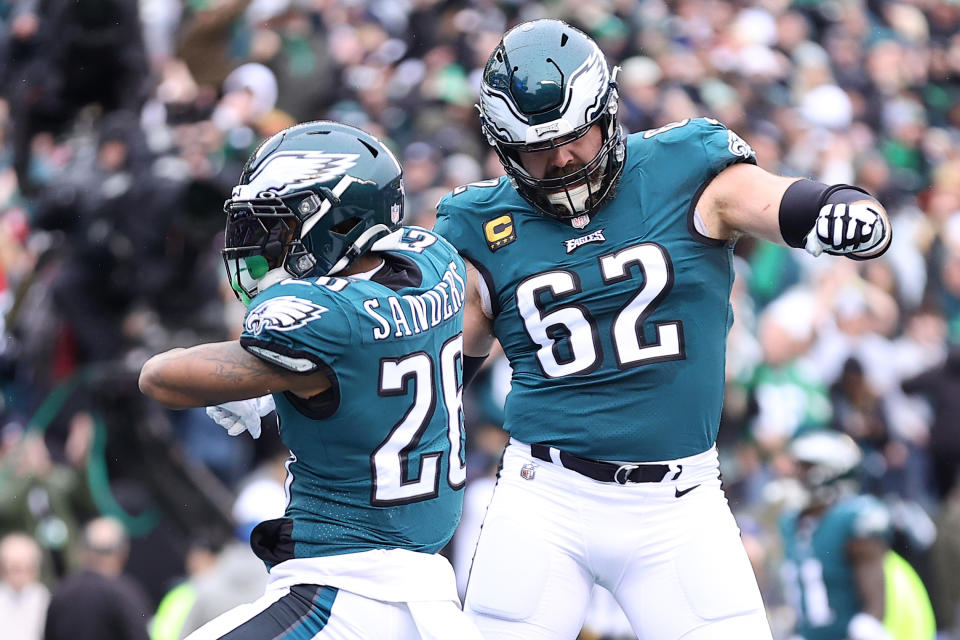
x=470, y=367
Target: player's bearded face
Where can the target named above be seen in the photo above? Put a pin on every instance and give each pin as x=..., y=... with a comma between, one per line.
x=565, y=159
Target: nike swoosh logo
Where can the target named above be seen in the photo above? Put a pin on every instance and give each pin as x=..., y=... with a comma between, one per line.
x=680, y=494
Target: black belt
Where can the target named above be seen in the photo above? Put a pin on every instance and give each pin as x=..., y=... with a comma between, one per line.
x=604, y=471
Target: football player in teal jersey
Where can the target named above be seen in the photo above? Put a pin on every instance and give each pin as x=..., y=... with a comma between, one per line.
x=834, y=547
x=353, y=333
x=605, y=268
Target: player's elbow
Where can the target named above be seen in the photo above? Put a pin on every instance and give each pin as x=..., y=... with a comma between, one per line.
x=150, y=379
x=153, y=383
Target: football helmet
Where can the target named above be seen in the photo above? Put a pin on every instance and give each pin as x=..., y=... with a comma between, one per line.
x=310, y=200
x=828, y=462
x=544, y=85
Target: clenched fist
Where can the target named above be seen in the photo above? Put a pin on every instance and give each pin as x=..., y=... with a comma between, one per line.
x=858, y=230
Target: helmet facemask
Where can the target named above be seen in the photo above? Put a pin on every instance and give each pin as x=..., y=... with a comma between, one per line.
x=582, y=191
x=257, y=241
x=263, y=235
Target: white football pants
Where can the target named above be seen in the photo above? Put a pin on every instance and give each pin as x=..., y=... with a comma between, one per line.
x=669, y=553
x=312, y=612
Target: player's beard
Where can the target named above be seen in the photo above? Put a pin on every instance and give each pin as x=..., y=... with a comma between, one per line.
x=562, y=172
x=577, y=194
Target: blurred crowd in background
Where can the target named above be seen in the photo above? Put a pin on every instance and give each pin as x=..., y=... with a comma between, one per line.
x=124, y=124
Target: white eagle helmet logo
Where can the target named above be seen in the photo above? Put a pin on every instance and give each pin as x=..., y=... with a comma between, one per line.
x=290, y=170
x=282, y=313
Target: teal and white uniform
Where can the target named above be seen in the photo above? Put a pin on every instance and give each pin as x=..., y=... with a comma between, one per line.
x=817, y=576
x=377, y=460
x=615, y=332
x=615, y=327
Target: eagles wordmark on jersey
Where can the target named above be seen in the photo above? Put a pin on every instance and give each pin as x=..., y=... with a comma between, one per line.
x=611, y=329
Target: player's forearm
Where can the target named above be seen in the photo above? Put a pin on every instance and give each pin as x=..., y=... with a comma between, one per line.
x=866, y=560
x=206, y=375
x=869, y=579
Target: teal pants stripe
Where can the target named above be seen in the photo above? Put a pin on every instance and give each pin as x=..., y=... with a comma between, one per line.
x=299, y=615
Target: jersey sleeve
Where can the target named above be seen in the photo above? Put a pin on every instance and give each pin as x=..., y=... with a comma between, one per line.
x=699, y=148
x=298, y=326
x=722, y=146
x=450, y=222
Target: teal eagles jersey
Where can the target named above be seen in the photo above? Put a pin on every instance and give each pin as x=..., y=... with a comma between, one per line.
x=615, y=331
x=817, y=577
x=377, y=460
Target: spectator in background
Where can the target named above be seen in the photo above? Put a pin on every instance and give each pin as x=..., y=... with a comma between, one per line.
x=86, y=52
x=98, y=602
x=42, y=496
x=23, y=598
x=858, y=411
x=787, y=394
x=171, y=615
x=237, y=575
x=116, y=232
x=941, y=385
x=207, y=41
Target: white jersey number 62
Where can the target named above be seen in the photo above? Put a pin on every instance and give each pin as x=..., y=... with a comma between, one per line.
x=575, y=323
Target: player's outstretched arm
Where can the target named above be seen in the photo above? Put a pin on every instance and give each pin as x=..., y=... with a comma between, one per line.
x=866, y=561
x=835, y=219
x=214, y=373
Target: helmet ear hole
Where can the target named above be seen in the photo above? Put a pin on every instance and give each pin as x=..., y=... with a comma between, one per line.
x=346, y=226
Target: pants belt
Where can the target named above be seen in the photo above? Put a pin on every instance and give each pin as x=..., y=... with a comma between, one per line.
x=600, y=470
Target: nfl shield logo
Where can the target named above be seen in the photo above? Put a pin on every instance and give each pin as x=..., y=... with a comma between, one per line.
x=528, y=471
x=580, y=221
x=395, y=213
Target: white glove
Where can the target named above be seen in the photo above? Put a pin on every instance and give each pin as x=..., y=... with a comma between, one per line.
x=242, y=415
x=863, y=626
x=843, y=229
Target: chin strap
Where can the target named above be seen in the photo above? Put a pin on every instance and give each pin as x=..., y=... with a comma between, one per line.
x=576, y=198
x=271, y=278
x=256, y=285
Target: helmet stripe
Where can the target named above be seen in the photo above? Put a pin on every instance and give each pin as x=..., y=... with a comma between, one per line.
x=337, y=191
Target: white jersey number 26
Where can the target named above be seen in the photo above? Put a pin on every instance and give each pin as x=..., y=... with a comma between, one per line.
x=392, y=481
